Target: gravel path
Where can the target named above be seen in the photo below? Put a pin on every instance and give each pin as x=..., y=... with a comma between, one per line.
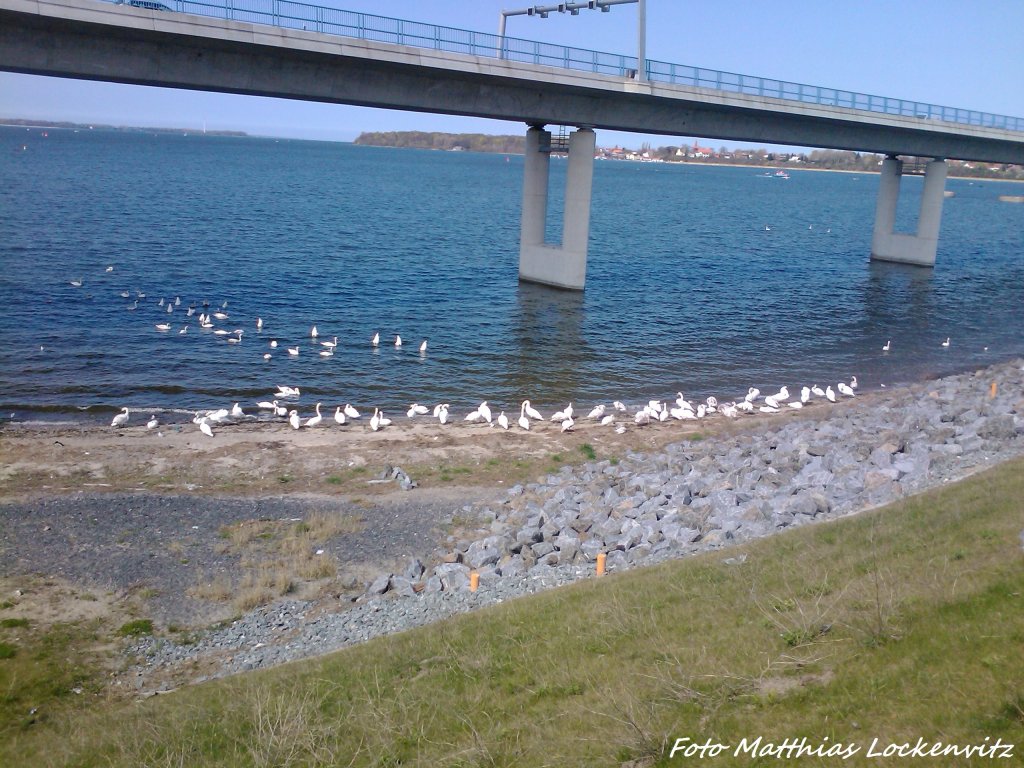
x=161, y=547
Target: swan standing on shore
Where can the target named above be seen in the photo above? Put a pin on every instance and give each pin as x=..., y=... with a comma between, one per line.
x=503, y=420
x=523, y=421
x=351, y=412
x=417, y=410
x=205, y=428
x=293, y=418
x=152, y=423
x=339, y=417
x=315, y=420
x=237, y=412
x=830, y=394
x=121, y=419
x=530, y=411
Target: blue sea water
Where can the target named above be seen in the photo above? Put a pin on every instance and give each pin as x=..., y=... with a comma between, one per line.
x=701, y=279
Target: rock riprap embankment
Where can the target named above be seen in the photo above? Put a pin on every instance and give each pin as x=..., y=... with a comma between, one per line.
x=688, y=497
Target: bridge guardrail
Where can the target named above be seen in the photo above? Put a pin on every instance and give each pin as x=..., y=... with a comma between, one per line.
x=384, y=29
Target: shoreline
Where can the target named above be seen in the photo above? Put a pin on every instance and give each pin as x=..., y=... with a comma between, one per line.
x=659, y=493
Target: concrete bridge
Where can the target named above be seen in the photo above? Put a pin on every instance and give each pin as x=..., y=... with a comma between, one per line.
x=291, y=50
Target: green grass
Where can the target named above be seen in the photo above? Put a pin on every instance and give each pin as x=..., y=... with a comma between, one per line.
x=14, y=623
x=136, y=628
x=588, y=452
x=901, y=623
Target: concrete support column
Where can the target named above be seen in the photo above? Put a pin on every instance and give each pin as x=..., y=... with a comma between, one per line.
x=578, y=185
x=885, y=206
x=535, y=188
x=921, y=247
x=565, y=265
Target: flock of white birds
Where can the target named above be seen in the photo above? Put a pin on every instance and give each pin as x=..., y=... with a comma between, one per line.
x=283, y=400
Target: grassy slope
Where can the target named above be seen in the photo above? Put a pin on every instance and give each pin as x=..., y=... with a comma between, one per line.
x=904, y=622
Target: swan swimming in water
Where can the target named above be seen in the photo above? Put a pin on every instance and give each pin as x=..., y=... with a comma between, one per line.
x=423, y=346
x=888, y=346
x=946, y=342
x=313, y=332
x=398, y=341
x=375, y=341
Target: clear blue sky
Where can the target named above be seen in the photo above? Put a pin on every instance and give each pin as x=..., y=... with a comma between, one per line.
x=968, y=55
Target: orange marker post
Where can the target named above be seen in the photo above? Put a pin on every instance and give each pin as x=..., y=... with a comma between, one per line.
x=474, y=581
x=992, y=391
x=600, y=563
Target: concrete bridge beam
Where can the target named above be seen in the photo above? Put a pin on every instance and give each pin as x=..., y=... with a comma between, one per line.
x=921, y=247
x=565, y=265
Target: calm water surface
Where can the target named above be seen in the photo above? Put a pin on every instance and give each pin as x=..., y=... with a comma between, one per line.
x=686, y=289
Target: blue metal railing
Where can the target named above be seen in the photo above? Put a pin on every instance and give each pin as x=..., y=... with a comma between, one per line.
x=383, y=29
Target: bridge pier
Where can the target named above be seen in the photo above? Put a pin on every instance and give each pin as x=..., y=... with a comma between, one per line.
x=565, y=265
x=919, y=248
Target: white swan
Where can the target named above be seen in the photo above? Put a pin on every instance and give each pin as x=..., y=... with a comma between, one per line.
x=293, y=351
x=398, y=341
x=596, y=412
x=163, y=326
x=830, y=394
x=782, y=394
x=273, y=343
x=853, y=382
x=503, y=420
x=568, y=424
x=205, y=428
x=259, y=323
x=293, y=418
x=267, y=355
x=375, y=420
x=235, y=339
x=280, y=410
x=642, y=418
x=330, y=344
x=530, y=411
x=946, y=342
x=267, y=405
x=237, y=412
x=485, y=411
x=326, y=353
x=351, y=412
x=315, y=420
x=442, y=415
x=375, y=341
x=523, y=421
x=152, y=423
x=620, y=406
x=888, y=346
x=423, y=346
x=609, y=419
x=768, y=409
x=219, y=415
x=339, y=417
x=473, y=416
x=795, y=404
x=417, y=410
x=562, y=415
x=805, y=394
x=313, y=332
x=818, y=391
x=845, y=389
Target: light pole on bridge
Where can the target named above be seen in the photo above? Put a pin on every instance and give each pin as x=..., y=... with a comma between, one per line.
x=574, y=9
